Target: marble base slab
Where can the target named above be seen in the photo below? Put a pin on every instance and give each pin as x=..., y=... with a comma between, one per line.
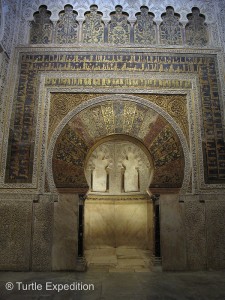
x=119, y=259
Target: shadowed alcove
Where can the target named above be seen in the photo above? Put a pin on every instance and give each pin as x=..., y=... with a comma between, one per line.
x=118, y=213
x=118, y=152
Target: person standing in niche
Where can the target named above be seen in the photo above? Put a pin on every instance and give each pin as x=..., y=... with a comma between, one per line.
x=131, y=174
x=99, y=173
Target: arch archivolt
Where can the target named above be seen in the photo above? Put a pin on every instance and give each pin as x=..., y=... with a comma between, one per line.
x=121, y=97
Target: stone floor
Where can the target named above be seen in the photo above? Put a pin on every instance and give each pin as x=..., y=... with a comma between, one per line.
x=155, y=285
x=120, y=259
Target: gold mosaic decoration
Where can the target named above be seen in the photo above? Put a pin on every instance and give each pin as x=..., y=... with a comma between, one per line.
x=175, y=106
x=21, y=162
x=108, y=115
x=145, y=27
x=124, y=117
x=119, y=27
x=62, y=104
x=129, y=114
x=93, y=27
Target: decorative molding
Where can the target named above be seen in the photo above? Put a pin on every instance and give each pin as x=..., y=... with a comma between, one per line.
x=122, y=98
x=195, y=125
x=131, y=7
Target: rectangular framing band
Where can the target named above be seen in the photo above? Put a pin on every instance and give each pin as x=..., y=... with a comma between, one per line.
x=145, y=73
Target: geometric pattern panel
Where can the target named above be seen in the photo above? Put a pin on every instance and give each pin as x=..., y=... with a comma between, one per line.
x=23, y=123
x=117, y=117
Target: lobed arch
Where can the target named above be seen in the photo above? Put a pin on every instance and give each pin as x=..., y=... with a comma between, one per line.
x=118, y=154
x=107, y=7
x=65, y=125
x=93, y=26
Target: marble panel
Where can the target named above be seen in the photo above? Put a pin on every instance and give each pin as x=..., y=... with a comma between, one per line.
x=172, y=233
x=65, y=236
x=15, y=234
x=131, y=223
x=117, y=223
x=215, y=212
x=99, y=224
x=119, y=259
x=42, y=234
x=195, y=235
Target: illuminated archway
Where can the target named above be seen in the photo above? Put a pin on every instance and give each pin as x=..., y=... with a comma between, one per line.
x=88, y=123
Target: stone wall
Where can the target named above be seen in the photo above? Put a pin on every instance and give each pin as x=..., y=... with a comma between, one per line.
x=42, y=234
x=15, y=234
x=172, y=233
x=215, y=232
x=26, y=232
x=195, y=235
x=65, y=236
x=192, y=232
